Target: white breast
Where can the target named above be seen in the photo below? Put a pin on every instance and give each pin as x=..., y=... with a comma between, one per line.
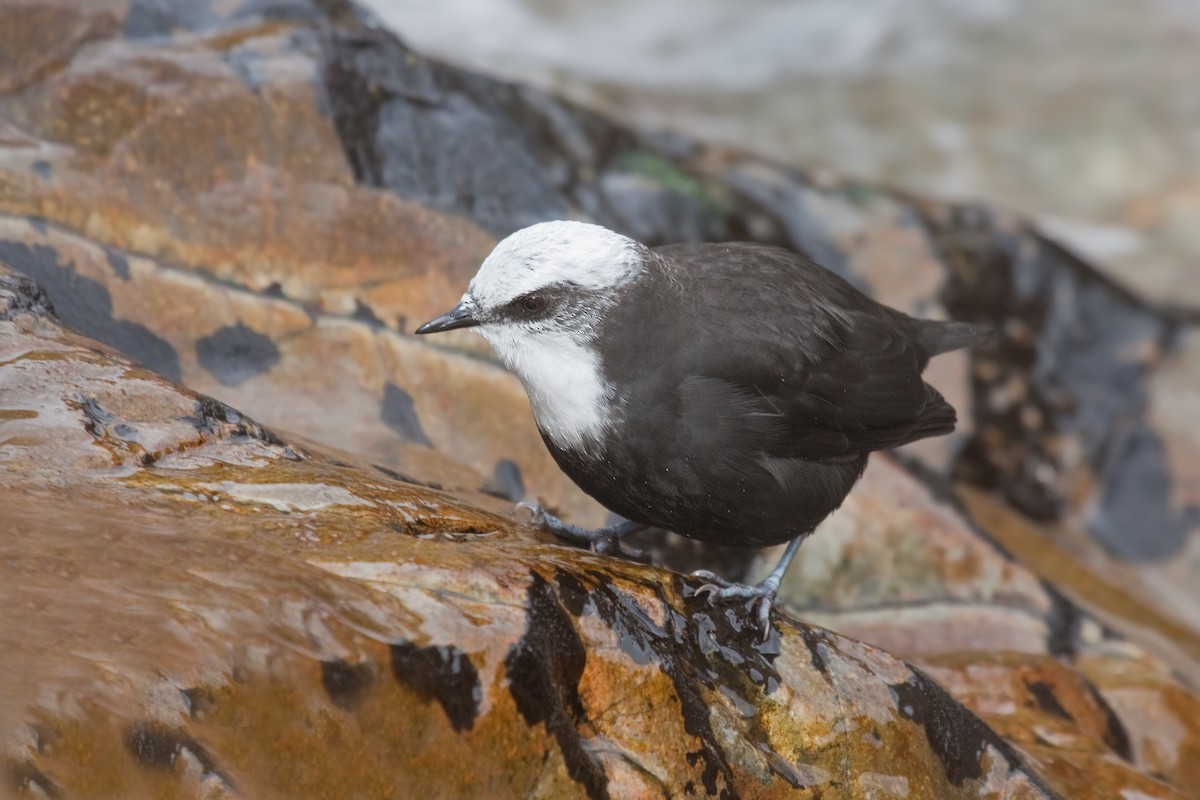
x=571, y=401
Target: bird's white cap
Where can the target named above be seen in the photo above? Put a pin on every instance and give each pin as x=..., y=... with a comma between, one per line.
x=549, y=253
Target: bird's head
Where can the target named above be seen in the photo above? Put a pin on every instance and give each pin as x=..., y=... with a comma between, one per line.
x=542, y=284
x=539, y=300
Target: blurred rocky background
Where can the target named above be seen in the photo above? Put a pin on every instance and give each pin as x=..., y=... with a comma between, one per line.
x=256, y=539
x=1080, y=113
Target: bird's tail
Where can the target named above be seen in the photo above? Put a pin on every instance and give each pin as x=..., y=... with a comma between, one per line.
x=942, y=337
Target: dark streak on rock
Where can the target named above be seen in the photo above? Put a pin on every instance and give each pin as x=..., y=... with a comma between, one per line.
x=574, y=595
x=156, y=746
x=697, y=652
x=397, y=475
x=22, y=295
x=399, y=414
x=1115, y=735
x=443, y=673
x=118, y=262
x=214, y=418
x=95, y=418
x=153, y=745
x=544, y=668
x=812, y=642
x=101, y=424
x=236, y=353
x=364, y=314
x=86, y=306
x=346, y=684
x=507, y=476
x=43, y=169
x=492, y=490
x=1043, y=695
x=956, y=736
x=39, y=225
x=1063, y=621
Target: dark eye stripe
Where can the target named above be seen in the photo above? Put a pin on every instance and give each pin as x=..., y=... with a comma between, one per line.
x=538, y=303
x=531, y=303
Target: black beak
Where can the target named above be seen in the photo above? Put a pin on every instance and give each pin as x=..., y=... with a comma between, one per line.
x=461, y=316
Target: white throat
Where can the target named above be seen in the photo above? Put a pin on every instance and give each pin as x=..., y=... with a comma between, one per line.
x=571, y=401
x=554, y=358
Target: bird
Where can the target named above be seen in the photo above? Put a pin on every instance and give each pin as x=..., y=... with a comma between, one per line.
x=729, y=392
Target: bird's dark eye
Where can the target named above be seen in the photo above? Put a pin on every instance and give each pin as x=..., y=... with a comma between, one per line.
x=531, y=303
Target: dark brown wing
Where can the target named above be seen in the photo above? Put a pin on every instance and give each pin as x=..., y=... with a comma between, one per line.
x=814, y=368
x=747, y=352
x=861, y=390
x=740, y=370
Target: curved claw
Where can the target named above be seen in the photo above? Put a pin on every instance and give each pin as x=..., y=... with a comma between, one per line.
x=761, y=597
x=718, y=588
x=764, y=615
x=537, y=513
x=604, y=544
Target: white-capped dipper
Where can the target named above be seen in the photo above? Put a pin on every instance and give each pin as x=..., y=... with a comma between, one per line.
x=727, y=392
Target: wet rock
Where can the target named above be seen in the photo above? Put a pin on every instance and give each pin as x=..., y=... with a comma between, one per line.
x=1113, y=595
x=906, y=571
x=503, y=155
x=1062, y=721
x=1074, y=413
x=87, y=306
x=1076, y=410
x=261, y=615
x=268, y=367
x=20, y=295
x=130, y=214
x=218, y=154
x=261, y=199
x=1066, y=391
x=1161, y=722
x=1079, y=423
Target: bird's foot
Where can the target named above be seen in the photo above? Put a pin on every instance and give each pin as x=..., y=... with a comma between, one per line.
x=760, y=595
x=599, y=540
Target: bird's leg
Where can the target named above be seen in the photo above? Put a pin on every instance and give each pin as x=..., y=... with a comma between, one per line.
x=762, y=593
x=598, y=540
